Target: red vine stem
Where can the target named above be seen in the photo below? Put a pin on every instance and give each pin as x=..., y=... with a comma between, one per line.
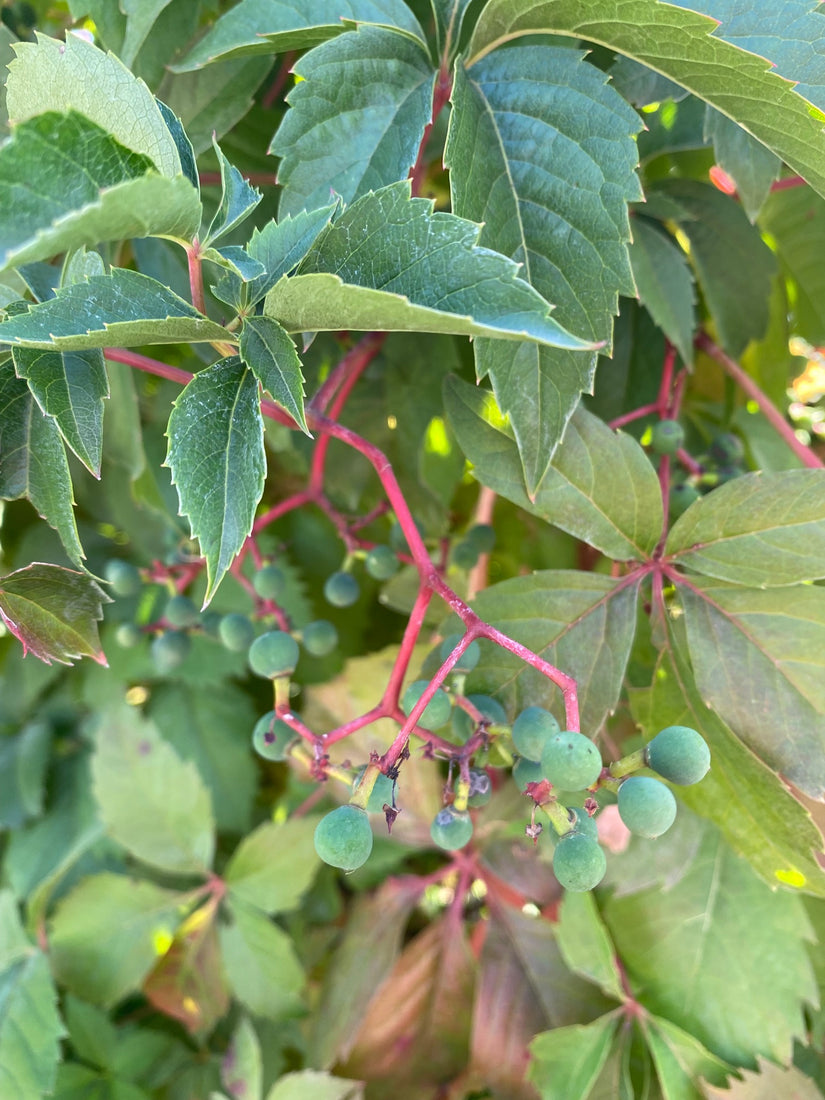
x=766, y=406
x=193, y=258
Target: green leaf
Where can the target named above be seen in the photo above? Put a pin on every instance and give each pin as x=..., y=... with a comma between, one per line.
x=33, y=462
x=309, y=1084
x=762, y=529
x=682, y=1063
x=769, y=1083
x=106, y=935
x=23, y=761
x=30, y=1027
x=580, y=622
x=123, y=308
x=276, y=26
x=242, y=1068
x=216, y=455
x=66, y=183
x=273, y=866
x=271, y=356
x=567, y=1061
x=758, y=660
x=449, y=15
x=54, y=612
x=260, y=963
x=238, y=200
x=585, y=944
x=665, y=284
x=751, y=166
x=720, y=954
x=74, y=75
x=680, y=46
x=356, y=119
x=600, y=487
x=734, y=266
x=550, y=190
x=389, y=262
x=759, y=817
x=151, y=801
x=795, y=220
x=69, y=387
x=92, y=1034
x=140, y=18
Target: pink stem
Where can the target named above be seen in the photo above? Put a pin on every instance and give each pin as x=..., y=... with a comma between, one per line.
x=193, y=257
x=635, y=414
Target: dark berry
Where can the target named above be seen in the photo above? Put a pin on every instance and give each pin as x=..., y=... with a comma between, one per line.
x=491, y=710
x=481, y=788
x=681, y=497
x=727, y=449
x=482, y=537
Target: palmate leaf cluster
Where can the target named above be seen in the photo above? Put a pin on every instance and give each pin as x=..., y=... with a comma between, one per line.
x=166, y=930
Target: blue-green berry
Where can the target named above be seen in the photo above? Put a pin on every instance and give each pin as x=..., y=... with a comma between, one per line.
x=274, y=654
x=269, y=582
x=236, y=632
x=381, y=563
x=319, y=638
x=532, y=730
x=437, y=711
x=123, y=577
x=180, y=612
x=271, y=737
x=343, y=838
x=341, y=589
x=646, y=806
x=451, y=829
x=169, y=650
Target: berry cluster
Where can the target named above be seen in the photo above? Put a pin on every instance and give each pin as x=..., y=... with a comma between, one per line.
x=724, y=460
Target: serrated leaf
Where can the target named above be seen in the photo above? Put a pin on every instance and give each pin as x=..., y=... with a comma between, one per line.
x=33, y=462
x=567, y=1061
x=69, y=387
x=186, y=151
x=187, y=982
x=795, y=219
x=54, y=612
x=682, y=1063
x=216, y=454
x=50, y=75
x=260, y=963
x=355, y=120
x=123, y=308
x=66, y=182
x=759, y=817
x=681, y=46
x=562, y=215
x=600, y=486
x=273, y=866
x=389, y=262
x=271, y=356
x=751, y=166
x=276, y=26
x=769, y=1083
x=30, y=1027
x=238, y=199
x=763, y=529
x=23, y=761
x=242, y=1068
x=665, y=284
x=151, y=801
x=237, y=261
x=580, y=622
x=309, y=1084
x=757, y=656
x=585, y=944
x=106, y=935
x=720, y=954
x=734, y=266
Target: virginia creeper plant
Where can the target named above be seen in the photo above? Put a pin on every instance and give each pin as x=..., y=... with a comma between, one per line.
x=412, y=410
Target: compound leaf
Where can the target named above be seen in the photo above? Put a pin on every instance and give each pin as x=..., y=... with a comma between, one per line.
x=762, y=529
x=355, y=120
x=238, y=200
x=542, y=154
x=681, y=1061
x=123, y=308
x=151, y=801
x=53, y=612
x=33, y=462
x=389, y=262
x=216, y=454
x=271, y=356
x=275, y=26
x=69, y=386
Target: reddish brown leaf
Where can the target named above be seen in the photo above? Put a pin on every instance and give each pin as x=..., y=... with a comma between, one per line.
x=53, y=612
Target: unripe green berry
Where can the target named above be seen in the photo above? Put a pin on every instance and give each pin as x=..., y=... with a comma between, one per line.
x=169, y=650
x=437, y=711
x=211, y=623
x=680, y=754
x=482, y=537
x=123, y=577
x=571, y=761
x=464, y=555
x=646, y=806
x=341, y=589
x=398, y=540
x=481, y=788
x=584, y=823
x=319, y=638
x=667, y=437
x=681, y=497
x=727, y=449
x=343, y=838
x=271, y=737
x=527, y=771
x=532, y=730
x=579, y=863
x=236, y=632
x=380, y=794
x=381, y=563
x=180, y=612
x=274, y=654
x=468, y=659
x=490, y=709
x=451, y=829
x=128, y=635
x=269, y=583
